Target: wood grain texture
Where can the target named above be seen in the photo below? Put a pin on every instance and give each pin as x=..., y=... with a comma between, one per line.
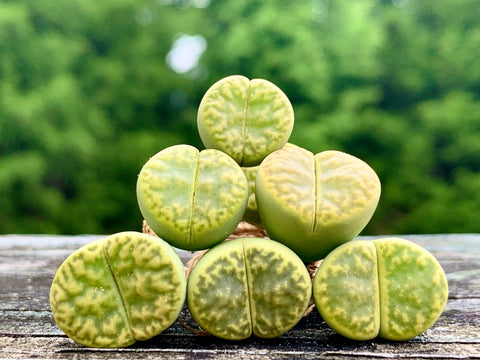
x=27, y=328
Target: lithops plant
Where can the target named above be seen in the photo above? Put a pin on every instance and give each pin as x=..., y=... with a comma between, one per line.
x=193, y=199
x=248, y=286
x=247, y=119
x=391, y=288
x=117, y=290
x=314, y=203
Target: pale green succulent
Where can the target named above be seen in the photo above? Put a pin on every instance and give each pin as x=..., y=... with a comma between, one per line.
x=118, y=290
x=247, y=119
x=251, y=213
x=313, y=203
x=390, y=288
x=193, y=199
x=248, y=286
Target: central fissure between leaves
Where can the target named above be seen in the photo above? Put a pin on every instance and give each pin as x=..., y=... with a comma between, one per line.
x=379, y=277
x=108, y=261
x=249, y=295
x=191, y=233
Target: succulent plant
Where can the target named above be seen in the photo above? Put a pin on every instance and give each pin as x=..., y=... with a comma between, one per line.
x=248, y=286
x=391, y=288
x=247, y=119
x=117, y=290
x=193, y=199
x=314, y=203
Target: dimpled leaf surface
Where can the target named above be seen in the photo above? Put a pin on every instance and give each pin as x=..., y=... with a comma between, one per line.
x=413, y=288
x=217, y=293
x=248, y=286
x=313, y=203
x=192, y=199
x=399, y=287
x=345, y=290
x=279, y=286
x=117, y=290
x=247, y=119
x=221, y=195
x=85, y=301
x=151, y=280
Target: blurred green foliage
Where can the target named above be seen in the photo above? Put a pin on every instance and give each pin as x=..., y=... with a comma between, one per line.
x=90, y=89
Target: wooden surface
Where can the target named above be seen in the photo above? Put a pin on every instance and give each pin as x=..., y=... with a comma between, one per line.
x=27, y=328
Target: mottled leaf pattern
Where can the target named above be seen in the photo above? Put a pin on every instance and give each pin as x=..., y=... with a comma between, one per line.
x=248, y=286
x=247, y=119
x=313, y=203
x=192, y=199
x=389, y=287
x=117, y=290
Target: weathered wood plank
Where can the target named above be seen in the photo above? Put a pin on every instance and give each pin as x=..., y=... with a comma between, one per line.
x=57, y=348
x=461, y=316
x=459, y=323
x=27, y=328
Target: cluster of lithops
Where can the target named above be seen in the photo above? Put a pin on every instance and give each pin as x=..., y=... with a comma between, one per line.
x=132, y=286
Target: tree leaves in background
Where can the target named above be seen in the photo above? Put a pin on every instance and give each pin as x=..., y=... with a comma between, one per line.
x=90, y=90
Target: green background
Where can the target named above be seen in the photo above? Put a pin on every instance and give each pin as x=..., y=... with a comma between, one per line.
x=90, y=89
